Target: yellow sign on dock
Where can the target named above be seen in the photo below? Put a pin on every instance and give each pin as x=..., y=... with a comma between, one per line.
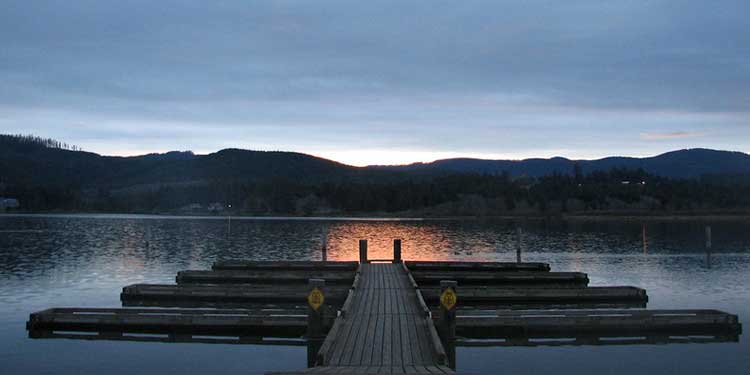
x=315, y=298
x=448, y=298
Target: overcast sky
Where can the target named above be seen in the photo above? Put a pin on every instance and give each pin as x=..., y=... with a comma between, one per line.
x=379, y=82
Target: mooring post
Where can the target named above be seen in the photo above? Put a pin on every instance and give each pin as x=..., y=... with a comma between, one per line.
x=396, y=251
x=708, y=246
x=447, y=319
x=519, y=233
x=315, y=311
x=448, y=301
x=324, y=247
x=363, y=251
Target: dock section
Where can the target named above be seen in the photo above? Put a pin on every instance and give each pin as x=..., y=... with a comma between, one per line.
x=168, y=325
x=224, y=296
x=385, y=328
x=375, y=316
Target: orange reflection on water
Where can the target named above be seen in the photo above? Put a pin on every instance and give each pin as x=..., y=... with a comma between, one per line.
x=418, y=242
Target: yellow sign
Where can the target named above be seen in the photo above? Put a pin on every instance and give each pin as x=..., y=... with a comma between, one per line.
x=315, y=298
x=448, y=298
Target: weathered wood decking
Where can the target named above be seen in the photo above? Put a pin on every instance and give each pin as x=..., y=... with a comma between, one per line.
x=477, y=266
x=384, y=328
x=240, y=265
x=226, y=295
x=520, y=278
x=563, y=323
x=184, y=325
x=473, y=295
x=264, y=276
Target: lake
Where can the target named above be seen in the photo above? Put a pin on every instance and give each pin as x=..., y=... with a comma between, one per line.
x=85, y=260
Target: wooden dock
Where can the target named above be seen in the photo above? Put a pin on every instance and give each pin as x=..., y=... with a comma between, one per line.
x=477, y=266
x=477, y=295
x=508, y=279
x=555, y=323
x=264, y=276
x=243, y=265
x=376, y=317
x=384, y=328
x=169, y=325
x=224, y=296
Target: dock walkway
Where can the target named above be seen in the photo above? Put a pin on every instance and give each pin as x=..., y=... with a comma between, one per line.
x=384, y=328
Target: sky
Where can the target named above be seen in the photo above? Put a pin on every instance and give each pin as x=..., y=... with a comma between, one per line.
x=379, y=82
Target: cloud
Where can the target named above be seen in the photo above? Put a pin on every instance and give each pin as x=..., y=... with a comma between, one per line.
x=474, y=77
x=671, y=135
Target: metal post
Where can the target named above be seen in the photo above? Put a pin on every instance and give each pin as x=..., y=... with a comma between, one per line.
x=363, y=251
x=396, y=251
x=446, y=324
x=519, y=233
x=315, y=301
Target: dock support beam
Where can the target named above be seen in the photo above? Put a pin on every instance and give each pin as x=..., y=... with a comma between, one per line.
x=518, y=245
x=396, y=251
x=315, y=309
x=446, y=324
x=363, y=251
x=708, y=246
x=324, y=247
x=315, y=324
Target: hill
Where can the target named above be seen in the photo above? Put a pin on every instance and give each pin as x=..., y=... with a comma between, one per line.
x=37, y=162
x=690, y=163
x=46, y=175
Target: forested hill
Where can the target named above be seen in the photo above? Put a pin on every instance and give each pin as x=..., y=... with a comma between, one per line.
x=40, y=162
x=45, y=175
x=689, y=163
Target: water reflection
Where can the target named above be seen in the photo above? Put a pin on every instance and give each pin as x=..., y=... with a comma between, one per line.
x=85, y=261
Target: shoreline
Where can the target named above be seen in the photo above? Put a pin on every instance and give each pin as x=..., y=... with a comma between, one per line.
x=604, y=216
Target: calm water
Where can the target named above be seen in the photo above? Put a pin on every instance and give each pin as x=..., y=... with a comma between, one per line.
x=60, y=261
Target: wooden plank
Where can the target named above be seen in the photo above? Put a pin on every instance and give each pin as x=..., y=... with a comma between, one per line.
x=359, y=346
x=263, y=277
x=244, y=265
x=600, y=340
x=388, y=344
x=377, y=342
x=514, y=278
x=497, y=295
x=192, y=322
x=554, y=323
x=477, y=266
x=199, y=295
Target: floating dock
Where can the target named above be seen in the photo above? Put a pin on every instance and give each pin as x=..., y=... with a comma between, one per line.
x=265, y=276
x=384, y=317
x=237, y=296
x=169, y=325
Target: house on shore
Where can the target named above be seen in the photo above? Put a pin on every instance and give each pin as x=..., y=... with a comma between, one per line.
x=8, y=203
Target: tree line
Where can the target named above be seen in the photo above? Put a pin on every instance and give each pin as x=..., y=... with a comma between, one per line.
x=460, y=194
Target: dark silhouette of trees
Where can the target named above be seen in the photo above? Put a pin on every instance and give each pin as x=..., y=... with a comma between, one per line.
x=47, y=175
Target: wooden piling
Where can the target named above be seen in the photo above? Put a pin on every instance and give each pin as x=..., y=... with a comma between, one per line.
x=324, y=247
x=708, y=246
x=315, y=304
x=363, y=251
x=397, y=251
x=446, y=324
x=519, y=232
